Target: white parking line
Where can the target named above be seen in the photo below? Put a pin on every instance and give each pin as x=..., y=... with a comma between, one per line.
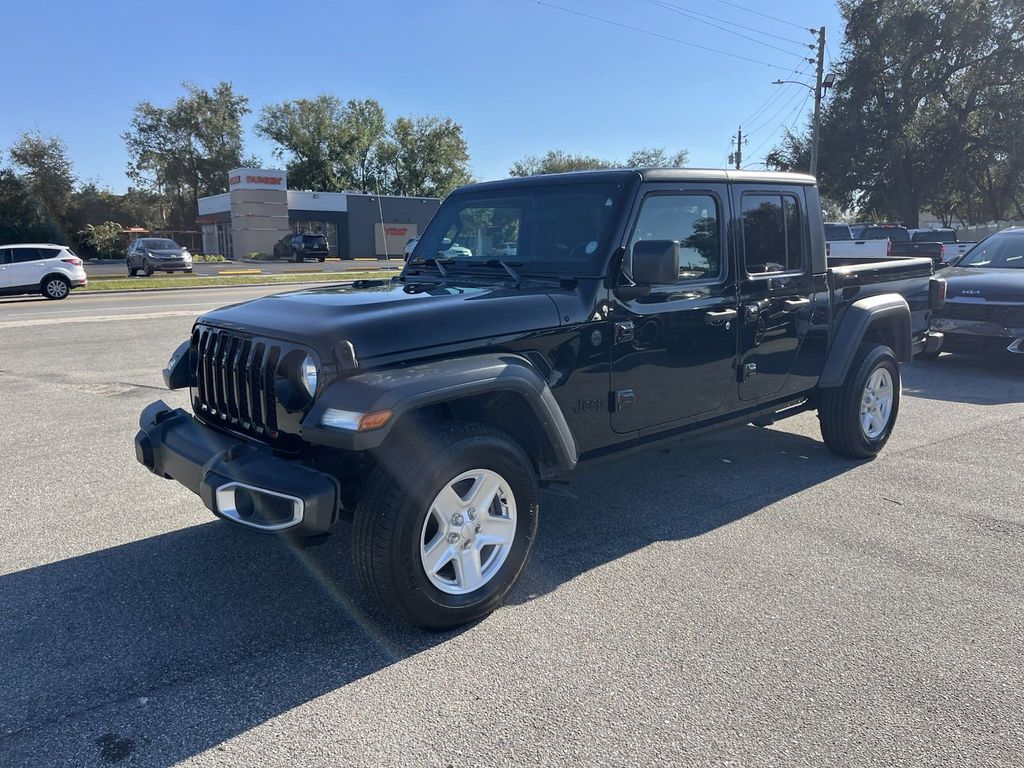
x=93, y=319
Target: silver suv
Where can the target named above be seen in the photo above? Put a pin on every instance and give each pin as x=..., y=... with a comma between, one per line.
x=52, y=270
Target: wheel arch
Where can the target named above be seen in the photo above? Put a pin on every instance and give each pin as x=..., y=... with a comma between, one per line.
x=884, y=319
x=501, y=390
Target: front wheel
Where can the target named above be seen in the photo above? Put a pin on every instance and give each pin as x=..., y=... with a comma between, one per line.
x=857, y=417
x=296, y=257
x=147, y=269
x=444, y=529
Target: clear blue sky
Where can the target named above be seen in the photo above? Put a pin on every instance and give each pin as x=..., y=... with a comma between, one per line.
x=520, y=77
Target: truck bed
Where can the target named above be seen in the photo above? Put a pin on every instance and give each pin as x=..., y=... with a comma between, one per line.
x=852, y=278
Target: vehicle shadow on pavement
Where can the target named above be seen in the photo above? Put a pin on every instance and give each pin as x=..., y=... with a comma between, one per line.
x=978, y=380
x=157, y=650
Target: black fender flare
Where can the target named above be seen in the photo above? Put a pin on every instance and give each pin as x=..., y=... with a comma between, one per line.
x=411, y=387
x=887, y=309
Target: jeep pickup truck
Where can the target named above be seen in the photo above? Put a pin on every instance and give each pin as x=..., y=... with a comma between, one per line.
x=641, y=307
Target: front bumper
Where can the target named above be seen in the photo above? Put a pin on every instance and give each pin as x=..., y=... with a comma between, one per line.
x=978, y=337
x=238, y=480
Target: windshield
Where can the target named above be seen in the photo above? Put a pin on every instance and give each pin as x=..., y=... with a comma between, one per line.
x=154, y=244
x=935, y=236
x=997, y=252
x=551, y=229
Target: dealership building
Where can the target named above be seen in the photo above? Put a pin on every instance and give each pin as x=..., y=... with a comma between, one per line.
x=259, y=210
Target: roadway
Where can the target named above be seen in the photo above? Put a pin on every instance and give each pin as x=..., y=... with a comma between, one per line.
x=745, y=598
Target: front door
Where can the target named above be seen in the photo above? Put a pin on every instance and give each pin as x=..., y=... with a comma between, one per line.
x=674, y=350
x=775, y=289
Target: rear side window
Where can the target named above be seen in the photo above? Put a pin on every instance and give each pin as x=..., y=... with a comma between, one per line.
x=5, y=255
x=837, y=232
x=772, y=234
x=692, y=220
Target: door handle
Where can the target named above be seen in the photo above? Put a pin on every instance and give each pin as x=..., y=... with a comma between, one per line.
x=795, y=305
x=717, y=317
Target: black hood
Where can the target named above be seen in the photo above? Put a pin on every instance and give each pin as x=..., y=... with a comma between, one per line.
x=999, y=285
x=393, y=317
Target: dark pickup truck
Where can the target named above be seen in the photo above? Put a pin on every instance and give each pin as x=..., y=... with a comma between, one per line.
x=902, y=244
x=641, y=307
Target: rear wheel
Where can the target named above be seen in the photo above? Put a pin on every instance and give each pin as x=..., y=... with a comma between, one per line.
x=132, y=271
x=857, y=417
x=444, y=529
x=56, y=287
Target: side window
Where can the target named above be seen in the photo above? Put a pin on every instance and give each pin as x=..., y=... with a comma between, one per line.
x=48, y=253
x=772, y=240
x=5, y=255
x=25, y=254
x=692, y=220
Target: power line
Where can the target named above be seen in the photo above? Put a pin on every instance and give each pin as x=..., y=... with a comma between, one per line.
x=776, y=94
x=734, y=24
x=654, y=34
x=692, y=17
x=796, y=111
x=775, y=114
x=767, y=16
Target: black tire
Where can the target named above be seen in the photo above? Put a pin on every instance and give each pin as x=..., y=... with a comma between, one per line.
x=391, y=519
x=188, y=271
x=132, y=271
x=147, y=269
x=839, y=409
x=55, y=287
x=295, y=257
x=322, y=259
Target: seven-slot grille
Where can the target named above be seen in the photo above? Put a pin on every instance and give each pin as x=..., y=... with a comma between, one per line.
x=235, y=379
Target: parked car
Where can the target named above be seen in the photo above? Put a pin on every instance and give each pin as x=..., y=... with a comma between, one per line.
x=984, y=309
x=507, y=250
x=157, y=254
x=643, y=306
x=410, y=245
x=901, y=244
x=839, y=241
x=52, y=270
x=299, y=247
x=952, y=248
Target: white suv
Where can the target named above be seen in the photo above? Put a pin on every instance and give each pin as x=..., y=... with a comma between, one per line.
x=52, y=270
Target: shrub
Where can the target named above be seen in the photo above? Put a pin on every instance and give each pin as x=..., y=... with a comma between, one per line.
x=207, y=258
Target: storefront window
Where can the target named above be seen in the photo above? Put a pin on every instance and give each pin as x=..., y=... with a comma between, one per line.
x=329, y=228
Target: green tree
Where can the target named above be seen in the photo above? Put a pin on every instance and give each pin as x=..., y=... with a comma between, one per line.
x=184, y=151
x=924, y=111
x=48, y=177
x=557, y=161
x=20, y=219
x=327, y=144
x=424, y=157
x=103, y=239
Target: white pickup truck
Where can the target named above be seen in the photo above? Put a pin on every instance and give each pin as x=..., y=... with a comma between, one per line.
x=839, y=243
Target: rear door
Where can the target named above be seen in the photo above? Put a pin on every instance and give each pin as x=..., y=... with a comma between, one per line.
x=28, y=266
x=674, y=350
x=775, y=288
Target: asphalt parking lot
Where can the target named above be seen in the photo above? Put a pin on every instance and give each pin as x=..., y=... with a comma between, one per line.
x=743, y=599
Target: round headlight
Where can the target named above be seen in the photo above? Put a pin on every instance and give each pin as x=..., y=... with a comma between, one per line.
x=307, y=375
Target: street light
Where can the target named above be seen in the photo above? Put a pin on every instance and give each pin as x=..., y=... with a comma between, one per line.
x=827, y=82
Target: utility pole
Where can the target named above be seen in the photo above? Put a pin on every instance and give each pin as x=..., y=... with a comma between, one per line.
x=737, y=157
x=817, y=101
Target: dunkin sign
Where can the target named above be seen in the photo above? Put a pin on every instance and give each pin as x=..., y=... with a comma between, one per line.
x=257, y=178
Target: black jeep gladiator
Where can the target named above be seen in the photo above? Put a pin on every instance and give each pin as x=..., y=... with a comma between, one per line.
x=641, y=307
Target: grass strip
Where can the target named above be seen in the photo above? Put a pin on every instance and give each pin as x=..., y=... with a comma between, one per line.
x=185, y=282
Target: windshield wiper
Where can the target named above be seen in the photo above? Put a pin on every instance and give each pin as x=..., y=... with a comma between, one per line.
x=508, y=268
x=439, y=263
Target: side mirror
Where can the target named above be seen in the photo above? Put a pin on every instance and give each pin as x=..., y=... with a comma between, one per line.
x=656, y=262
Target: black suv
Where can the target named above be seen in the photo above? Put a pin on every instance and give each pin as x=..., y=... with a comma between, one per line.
x=640, y=307
x=302, y=247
